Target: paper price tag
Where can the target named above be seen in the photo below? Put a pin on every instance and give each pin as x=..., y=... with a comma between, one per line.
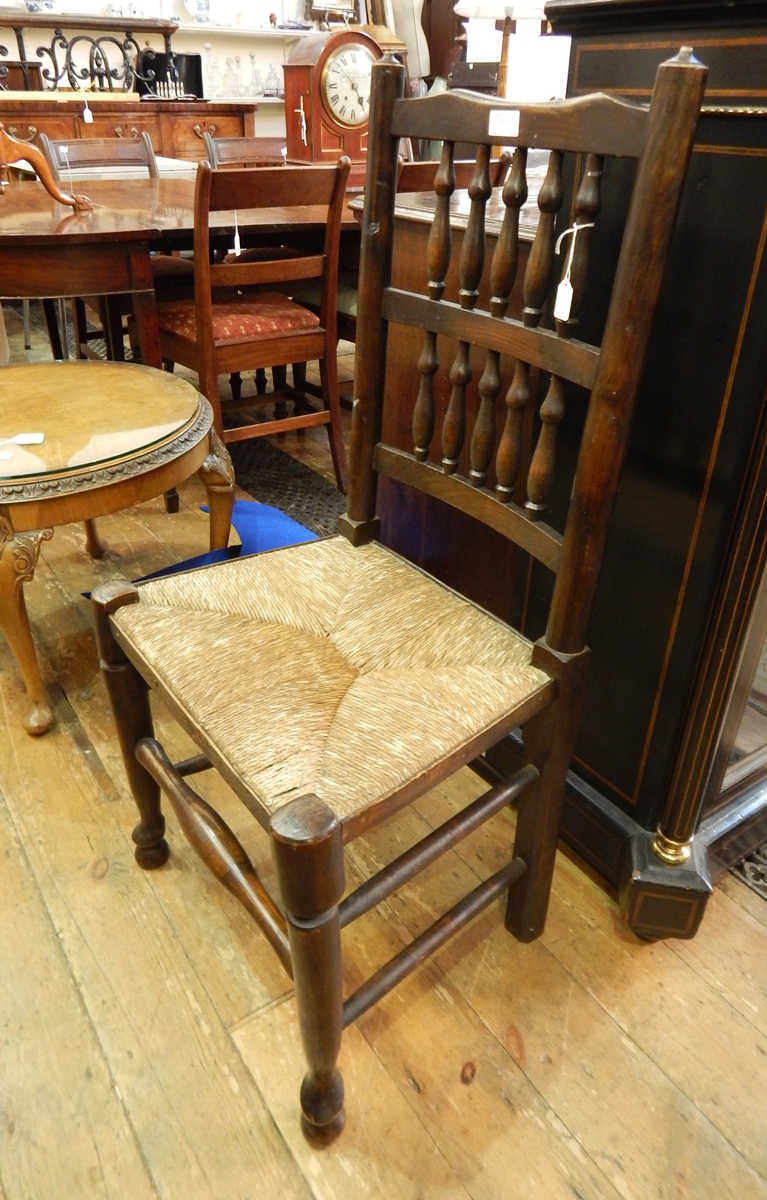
x=28, y=439
x=503, y=123
x=564, y=301
x=87, y=115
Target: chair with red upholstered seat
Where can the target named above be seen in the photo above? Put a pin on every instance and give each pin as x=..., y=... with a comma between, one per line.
x=252, y=329
x=332, y=684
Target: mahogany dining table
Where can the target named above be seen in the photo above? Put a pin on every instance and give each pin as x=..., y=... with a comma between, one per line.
x=46, y=250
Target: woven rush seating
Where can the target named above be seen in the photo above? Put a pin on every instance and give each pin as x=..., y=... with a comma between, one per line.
x=333, y=683
x=372, y=672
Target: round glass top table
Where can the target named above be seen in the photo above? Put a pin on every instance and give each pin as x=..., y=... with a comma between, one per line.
x=79, y=440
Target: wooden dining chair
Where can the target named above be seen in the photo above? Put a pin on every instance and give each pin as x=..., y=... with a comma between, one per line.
x=173, y=276
x=333, y=683
x=252, y=329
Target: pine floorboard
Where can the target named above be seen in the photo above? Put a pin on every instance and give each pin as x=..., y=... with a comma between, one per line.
x=149, y=1043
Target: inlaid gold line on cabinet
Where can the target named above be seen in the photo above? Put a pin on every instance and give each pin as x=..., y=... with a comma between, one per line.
x=702, y=502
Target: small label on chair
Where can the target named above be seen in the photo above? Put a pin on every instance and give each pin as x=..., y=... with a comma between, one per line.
x=503, y=122
x=87, y=115
x=564, y=301
x=28, y=439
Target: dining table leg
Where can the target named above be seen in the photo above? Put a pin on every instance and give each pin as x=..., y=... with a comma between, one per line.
x=145, y=305
x=18, y=558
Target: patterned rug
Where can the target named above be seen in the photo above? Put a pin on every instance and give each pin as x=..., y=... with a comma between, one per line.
x=277, y=479
x=753, y=872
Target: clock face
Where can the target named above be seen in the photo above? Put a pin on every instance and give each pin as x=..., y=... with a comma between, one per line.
x=346, y=84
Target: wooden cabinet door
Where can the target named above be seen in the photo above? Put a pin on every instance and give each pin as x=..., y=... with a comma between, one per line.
x=188, y=139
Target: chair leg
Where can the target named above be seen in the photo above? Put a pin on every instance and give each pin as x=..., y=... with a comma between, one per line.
x=129, y=697
x=307, y=845
x=261, y=381
x=80, y=323
x=549, y=742
x=280, y=381
x=27, y=324
x=329, y=380
x=235, y=382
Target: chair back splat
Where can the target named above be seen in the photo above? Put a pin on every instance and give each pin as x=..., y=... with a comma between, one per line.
x=591, y=127
x=332, y=683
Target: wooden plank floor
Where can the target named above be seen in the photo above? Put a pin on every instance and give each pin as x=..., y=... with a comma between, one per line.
x=149, y=1045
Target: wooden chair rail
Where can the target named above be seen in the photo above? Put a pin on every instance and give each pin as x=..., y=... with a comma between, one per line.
x=238, y=274
x=403, y=964
x=417, y=858
x=537, y=538
x=568, y=358
x=271, y=187
x=596, y=124
x=217, y=846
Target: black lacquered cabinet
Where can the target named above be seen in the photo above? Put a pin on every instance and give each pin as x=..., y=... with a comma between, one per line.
x=673, y=734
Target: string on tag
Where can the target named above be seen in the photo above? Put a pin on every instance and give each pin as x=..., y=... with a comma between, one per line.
x=236, y=235
x=564, y=300
x=65, y=151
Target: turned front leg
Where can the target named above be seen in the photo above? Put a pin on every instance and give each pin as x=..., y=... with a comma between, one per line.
x=308, y=852
x=18, y=558
x=129, y=697
x=217, y=476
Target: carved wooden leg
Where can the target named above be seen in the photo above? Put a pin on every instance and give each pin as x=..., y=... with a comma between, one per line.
x=217, y=476
x=129, y=697
x=235, y=383
x=18, y=558
x=307, y=845
x=549, y=741
x=93, y=543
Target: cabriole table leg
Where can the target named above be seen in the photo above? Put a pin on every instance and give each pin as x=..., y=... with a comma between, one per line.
x=18, y=559
x=217, y=476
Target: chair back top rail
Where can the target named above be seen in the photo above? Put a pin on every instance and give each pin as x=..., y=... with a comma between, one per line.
x=594, y=124
x=271, y=187
x=523, y=458
x=100, y=152
x=242, y=151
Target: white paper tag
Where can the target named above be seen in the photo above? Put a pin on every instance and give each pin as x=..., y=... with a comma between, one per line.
x=503, y=122
x=5, y=455
x=87, y=115
x=564, y=301
x=28, y=439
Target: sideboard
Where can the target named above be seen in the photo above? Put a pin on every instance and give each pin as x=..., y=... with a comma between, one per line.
x=177, y=128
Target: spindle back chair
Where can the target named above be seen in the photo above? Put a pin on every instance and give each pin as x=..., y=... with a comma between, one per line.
x=333, y=683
